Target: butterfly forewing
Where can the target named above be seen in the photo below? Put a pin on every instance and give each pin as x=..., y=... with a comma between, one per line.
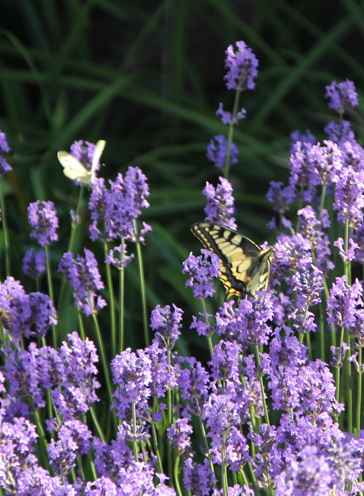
x=244, y=266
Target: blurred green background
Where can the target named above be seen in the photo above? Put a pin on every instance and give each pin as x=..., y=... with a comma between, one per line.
x=147, y=76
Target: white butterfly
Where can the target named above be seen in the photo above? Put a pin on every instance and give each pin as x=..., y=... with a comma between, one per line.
x=73, y=169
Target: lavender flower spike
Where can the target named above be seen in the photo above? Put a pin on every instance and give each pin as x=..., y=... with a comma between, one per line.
x=220, y=203
x=4, y=148
x=217, y=150
x=42, y=216
x=341, y=95
x=201, y=271
x=84, y=277
x=242, y=67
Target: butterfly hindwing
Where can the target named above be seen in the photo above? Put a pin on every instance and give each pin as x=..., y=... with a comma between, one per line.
x=244, y=266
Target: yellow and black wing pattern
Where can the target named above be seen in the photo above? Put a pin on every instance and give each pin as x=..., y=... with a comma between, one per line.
x=244, y=266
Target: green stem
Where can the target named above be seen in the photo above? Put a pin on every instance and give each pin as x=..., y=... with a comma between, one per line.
x=308, y=341
x=332, y=325
x=74, y=226
x=209, y=340
x=358, y=404
x=121, y=297
x=178, y=487
x=135, y=443
x=48, y=392
x=104, y=362
x=80, y=324
x=43, y=442
x=349, y=389
x=97, y=424
x=6, y=232
x=206, y=446
x=322, y=332
x=323, y=193
x=51, y=293
x=230, y=135
x=338, y=369
x=169, y=414
x=254, y=479
x=111, y=299
x=155, y=439
x=142, y=289
x=346, y=263
x=224, y=479
x=261, y=384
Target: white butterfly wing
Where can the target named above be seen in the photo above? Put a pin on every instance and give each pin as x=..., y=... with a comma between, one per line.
x=73, y=169
x=99, y=148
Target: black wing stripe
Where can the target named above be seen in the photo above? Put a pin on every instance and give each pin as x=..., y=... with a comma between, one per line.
x=244, y=266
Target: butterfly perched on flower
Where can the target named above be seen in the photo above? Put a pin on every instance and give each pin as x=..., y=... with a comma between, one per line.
x=244, y=266
x=73, y=168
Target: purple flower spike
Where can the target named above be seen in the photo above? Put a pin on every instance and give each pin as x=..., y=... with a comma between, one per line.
x=124, y=203
x=34, y=264
x=179, y=434
x=84, y=277
x=4, y=148
x=97, y=207
x=226, y=117
x=247, y=323
x=340, y=133
x=115, y=259
x=304, y=138
x=343, y=303
x=242, y=67
x=280, y=196
x=74, y=440
x=193, y=383
x=220, y=203
x=42, y=216
x=217, y=151
x=166, y=323
x=199, y=479
x=349, y=196
x=201, y=271
x=341, y=95
x=132, y=375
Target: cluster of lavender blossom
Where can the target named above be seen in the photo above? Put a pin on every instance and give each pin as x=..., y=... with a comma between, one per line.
x=275, y=416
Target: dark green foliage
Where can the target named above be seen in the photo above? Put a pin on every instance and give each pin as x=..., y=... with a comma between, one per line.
x=148, y=77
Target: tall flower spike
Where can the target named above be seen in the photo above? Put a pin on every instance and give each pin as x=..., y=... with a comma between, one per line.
x=97, y=207
x=4, y=148
x=220, y=203
x=201, y=270
x=344, y=302
x=84, y=277
x=124, y=203
x=341, y=95
x=349, y=196
x=166, y=323
x=242, y=67
x=34, y=264
x=42, y=216
x=217, y=150
x=132, y=375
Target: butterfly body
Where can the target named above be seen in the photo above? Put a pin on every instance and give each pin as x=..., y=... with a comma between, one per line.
x=73, y=169
x=244, y=266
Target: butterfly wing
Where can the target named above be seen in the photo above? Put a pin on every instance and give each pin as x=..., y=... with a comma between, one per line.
x=73, y=169
x=99, y=148
x=244, y=266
